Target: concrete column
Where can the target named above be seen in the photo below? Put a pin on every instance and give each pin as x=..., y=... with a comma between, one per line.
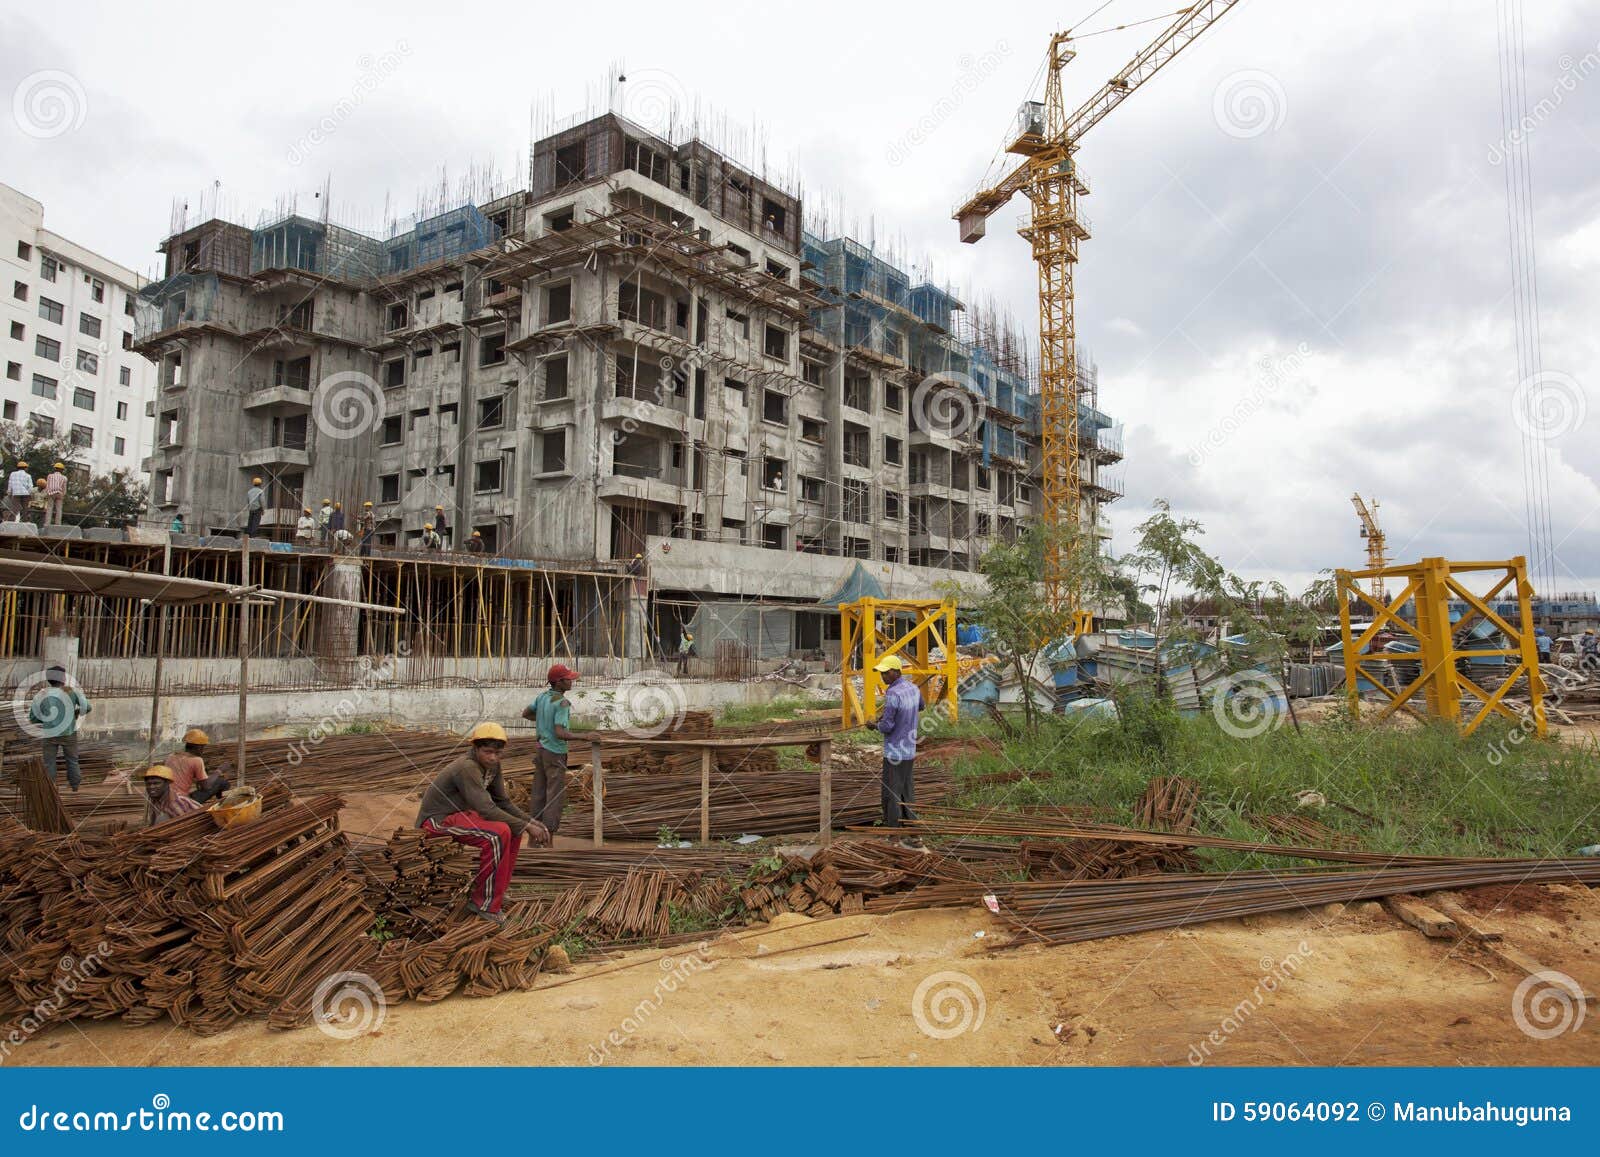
x=60, y=649
x=337, y=633
x=638, y=629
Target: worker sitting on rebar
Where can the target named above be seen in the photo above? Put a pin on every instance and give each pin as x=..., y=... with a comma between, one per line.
x=551, y=714
x=188, y=767
x=430, y=538
x=467, y=802
x=161, y=801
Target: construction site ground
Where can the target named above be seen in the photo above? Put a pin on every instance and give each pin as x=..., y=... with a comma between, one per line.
x=1366, y=990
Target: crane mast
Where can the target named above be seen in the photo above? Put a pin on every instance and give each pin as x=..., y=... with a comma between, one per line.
x=1377, y=553
x=1046, y=139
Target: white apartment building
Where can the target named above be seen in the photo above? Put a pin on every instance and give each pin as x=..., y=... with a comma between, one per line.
x=66, y=335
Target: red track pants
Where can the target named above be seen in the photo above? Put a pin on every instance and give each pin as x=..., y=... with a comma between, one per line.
x=497, y=853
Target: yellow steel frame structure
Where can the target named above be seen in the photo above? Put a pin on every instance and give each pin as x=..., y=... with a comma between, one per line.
x=1429, y=586
x=870, y=627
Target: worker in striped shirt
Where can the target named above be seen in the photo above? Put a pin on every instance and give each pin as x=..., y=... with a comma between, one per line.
x=902, y=705
x=161, y=801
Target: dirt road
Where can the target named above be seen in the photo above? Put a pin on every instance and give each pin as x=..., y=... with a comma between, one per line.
x=923, y=988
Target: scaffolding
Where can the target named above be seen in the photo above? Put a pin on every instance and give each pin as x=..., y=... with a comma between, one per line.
x=1444, y=655
x=316, y=247
x=452, y=612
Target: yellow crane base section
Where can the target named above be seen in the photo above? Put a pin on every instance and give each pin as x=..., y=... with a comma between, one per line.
x=1442, y=685
x=869, y=629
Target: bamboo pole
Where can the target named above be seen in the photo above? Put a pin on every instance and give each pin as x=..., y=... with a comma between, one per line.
x=161, y=650
x=244, y=656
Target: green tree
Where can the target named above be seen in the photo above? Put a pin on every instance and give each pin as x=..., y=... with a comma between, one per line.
x=1012, y=608
x=22, y=443
x=1167, y=559
x=115, y=499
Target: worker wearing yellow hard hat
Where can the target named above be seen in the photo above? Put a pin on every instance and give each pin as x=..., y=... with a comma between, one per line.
x=366, y=528
x=430, y=538
x=55, y=494
x=305, y=528
x=897, y=723
x=162, y=800
x=188, y=767
x=325, y=521
x=467, y=802
x=476, y=545
x=255, y=505
x=19, y=490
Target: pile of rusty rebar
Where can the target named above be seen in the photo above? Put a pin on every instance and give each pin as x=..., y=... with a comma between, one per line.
x=209, y=926
x=1169, y=803
x=777, y=802
x=417, y=883
x=970, y=822
x=1304, y=830
x=1092, y=909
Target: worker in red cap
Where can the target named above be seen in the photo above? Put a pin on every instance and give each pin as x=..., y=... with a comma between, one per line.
x=551, y=713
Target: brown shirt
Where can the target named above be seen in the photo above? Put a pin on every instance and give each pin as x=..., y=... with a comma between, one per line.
x=467, y=786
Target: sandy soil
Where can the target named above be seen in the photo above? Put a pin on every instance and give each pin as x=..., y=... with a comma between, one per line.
x=1338, y=986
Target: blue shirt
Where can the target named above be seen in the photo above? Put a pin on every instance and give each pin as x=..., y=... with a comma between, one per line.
x=55, y=711
x=902, y=704
x=550, y=710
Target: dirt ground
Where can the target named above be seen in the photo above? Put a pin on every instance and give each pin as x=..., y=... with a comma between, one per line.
x=1338, y=986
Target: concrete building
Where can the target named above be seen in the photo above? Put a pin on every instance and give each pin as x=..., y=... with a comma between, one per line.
x=642, y=354
x=69, y=318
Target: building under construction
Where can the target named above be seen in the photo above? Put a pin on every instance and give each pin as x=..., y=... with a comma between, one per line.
x=643, y=353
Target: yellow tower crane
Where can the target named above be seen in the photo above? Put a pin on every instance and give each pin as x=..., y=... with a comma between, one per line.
x=1377, y=556
x=1046, y=138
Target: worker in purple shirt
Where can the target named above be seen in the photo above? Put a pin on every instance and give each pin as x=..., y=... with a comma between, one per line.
x=902, y=704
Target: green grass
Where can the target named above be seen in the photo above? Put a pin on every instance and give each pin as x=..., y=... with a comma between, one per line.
x=786, y=707
x=1428, y=789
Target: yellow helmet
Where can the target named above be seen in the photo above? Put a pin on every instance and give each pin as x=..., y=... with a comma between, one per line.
x=307, y=509
x=889, y=663
x=485, y=731
x=257, y=481
x=160, y=771
x=195, y=735
x=427, y=526
x=22, y=465
x=61, y=465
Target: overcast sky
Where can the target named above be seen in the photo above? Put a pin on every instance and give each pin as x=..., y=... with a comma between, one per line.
x=1299, y=283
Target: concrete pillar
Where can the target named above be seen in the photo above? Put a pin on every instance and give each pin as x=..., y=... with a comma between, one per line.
x=337, y=636
x=61, y=650
x=638, y=629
